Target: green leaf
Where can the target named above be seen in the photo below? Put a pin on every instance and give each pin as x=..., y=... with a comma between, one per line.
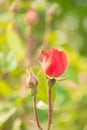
x=8, y=62
x=6, y=111
x=62, y=96
x=42, y=115
x=4, y=88
x=5, y=17
x=72, y=74
x=5, y=105
x=14, y=42
x=17, y=124
x=42, y=89
x=6, y=115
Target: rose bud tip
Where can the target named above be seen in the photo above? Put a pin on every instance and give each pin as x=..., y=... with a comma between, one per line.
x=31, y=79
x=44, y=53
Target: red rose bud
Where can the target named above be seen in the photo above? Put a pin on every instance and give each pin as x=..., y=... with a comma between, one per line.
x=31, y=79
x=31, y=17
x=54, y=62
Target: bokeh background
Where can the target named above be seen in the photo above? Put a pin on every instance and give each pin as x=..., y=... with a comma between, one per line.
x=58, y=23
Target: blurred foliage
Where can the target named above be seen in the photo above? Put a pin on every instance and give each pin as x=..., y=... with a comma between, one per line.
x=68, y=31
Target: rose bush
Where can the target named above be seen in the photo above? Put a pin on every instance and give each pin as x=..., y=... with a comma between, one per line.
x=54, y=62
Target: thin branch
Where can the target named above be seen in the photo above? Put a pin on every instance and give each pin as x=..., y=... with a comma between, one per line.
x=54, y=126
x=35, y=113
x=46, y=35
x=50, y=108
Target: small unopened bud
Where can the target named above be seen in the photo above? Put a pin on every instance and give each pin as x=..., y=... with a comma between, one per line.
x=14, y=7
x=31, y=79
x=52, y=9
x=51, y=82
x=31, y=17
x=2, y=2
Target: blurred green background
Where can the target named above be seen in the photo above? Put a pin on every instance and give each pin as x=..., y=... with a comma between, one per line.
x=20, y=44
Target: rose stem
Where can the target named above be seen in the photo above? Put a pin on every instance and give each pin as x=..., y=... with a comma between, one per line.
x=54, y=126
x=49, y=108
x=46, y=34
x=35, y=113
x=29, y=46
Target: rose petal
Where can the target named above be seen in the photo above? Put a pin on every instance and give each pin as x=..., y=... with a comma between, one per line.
x=54, y=62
